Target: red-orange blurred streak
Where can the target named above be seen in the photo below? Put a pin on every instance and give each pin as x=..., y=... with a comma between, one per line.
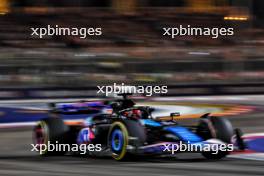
x=74, y=123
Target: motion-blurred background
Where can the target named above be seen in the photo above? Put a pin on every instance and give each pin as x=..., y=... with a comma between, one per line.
x=132, y=49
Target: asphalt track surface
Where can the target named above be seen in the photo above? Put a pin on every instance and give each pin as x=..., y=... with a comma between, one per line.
x=17, y=159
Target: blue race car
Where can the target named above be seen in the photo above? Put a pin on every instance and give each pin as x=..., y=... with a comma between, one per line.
x=125, y=131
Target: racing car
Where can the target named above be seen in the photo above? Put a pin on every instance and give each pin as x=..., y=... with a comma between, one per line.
x=125, y=130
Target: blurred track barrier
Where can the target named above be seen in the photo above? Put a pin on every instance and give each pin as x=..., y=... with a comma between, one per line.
x=91, y=92
x=25, y=113
x=224, y=111
x=254, y=142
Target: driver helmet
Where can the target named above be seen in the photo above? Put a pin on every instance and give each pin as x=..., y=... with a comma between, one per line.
x=136, y=113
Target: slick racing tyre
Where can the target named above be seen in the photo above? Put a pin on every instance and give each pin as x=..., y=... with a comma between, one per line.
x=223, y=128
x=50, y=131
x=215, y=127
x=211, y=156
x=218, y=128
x=124, y=133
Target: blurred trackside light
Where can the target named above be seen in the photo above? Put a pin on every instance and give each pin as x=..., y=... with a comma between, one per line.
x=199, y=53
x=4, y=7
x=234, y=18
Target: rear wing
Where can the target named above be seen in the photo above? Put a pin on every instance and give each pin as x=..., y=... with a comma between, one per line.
x=82, y=107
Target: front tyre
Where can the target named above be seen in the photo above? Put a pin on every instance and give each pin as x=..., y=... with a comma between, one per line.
x=218, y=156
x=50, y=131
x=216, y=127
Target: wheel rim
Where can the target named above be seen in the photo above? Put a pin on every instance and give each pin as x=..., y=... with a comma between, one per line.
x=117, y=140
x=40, y=134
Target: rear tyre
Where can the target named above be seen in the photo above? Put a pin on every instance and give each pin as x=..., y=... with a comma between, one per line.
x=50, y=131
x=120, y=135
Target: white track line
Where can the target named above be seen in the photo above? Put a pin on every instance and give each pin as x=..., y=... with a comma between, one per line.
x=251, y=156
